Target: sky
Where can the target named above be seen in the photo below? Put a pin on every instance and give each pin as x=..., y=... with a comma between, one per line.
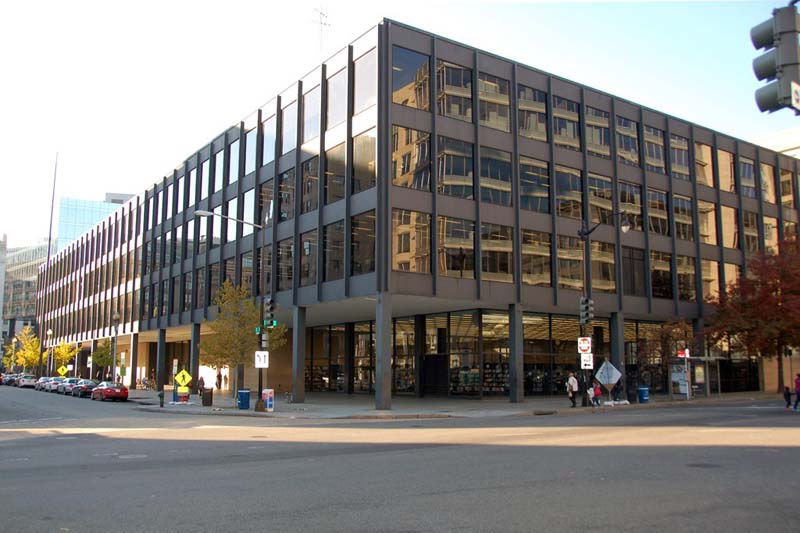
x=125, y=91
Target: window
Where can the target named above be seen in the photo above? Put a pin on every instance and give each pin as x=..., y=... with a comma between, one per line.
x=310, y=185
x=630, y=203
x=787, y=188
x=233, y=161
x=730, y=225
x=265, y=204
x=286, y=195
x=213, y=282
x=747, y=177
x=246, y=270
x=219, y=170
x=682, y=211
x=232, y=225
x=265, y=259
x=308, y=258
x=192, y=187
x=789, y=229
x=268, y=143
x=633, y=272
x=604, y=276
x=216, y=227
x=333, y=251
x=188, y=294
x=570, y=262
x=679, y=150
x=661, y=274
x=285, y=264
x=362, y=258
x=569, y=193
x=493, y=102
x=456, y=254
x=411, y=158
x=768, y=183
x=365, y=84
x=495, y=176
x=534, y=184
x=654, y=150
x=364, y=161
x=335, y=168
x=707, y=220
x=455, y=168
x=205, y=177
x=601, y=199
x=497, y=253
x=250, y=141
x=410, y=78
x=311, y=114
x=686, y=278
x=289, y=128
x=771, y=235
x=454, y=87
x=180, y=200
x=725, y=160
x=536, y=257
x=337, y=98
x=703, y=166
x=566, y=123
x=169, y=209
x=710, y=273
x=732, y=273
x=411, y=241
x=750, y=232
x=627, y=141
x=532, y=104
x=598, y=133
x=657, y=212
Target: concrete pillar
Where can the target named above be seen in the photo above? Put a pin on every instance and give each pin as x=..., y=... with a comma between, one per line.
x=698, y=350
x=349, y=356
x=134, y=356
x=161, y=359
x=383, y=351
x=516, y=367
x=194, y=356
x=617, y=336
x=298, y=355
x=92, y=370
x=419, y=352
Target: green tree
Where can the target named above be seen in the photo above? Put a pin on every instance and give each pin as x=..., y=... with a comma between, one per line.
x=64, y=354
x=102, y=357
x=27, y=352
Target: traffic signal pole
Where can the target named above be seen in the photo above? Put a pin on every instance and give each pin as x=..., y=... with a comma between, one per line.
x=781, y=63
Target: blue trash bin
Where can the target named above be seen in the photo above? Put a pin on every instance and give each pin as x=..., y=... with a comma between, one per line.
x=175, y=393
x=243, y=399
x=644, y=394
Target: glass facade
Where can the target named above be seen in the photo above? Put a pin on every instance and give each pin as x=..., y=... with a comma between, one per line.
x=411, y=158
x=411, y=241
x=455, y=257
x=454, y=168
x=495, y=176
x=454, y=91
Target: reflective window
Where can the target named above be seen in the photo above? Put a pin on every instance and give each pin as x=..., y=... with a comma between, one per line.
x=310, y=179
x=266, y=207
x=265, y=259
x=202, y=293
x=246, y=269
x=661, y=274
x=598, y=132
x=216, y=227
x=411, y=158
x=768, y=183
x=205, y=179
x=333, y=251
x=497, y=253
x=365, y=90
x=771, y=235
x=202, y=234
x=570, y=262
x=494, y=102
x=170, y=209
x=654, y=143
x=285, y=263
x=536, y=257
x=456, y=241
x=630, y=203
x=532, y=114
x=250, y=150
x=311, y=113
x=747, y=177
x=682, y=211
x=628, y=141
x=411, y=241
x=286, y=196
x=410, y=78
x=364, y=152
x=534, y=184
x=232, y=225
x=192, y=187
x=725, y=160
x=454, y=169
x=233, y=161
x=730, y=227
x=362, y=250
x=707, y=220
x=789, y=229
x=732, y=273
x=180, y=200
x=569, y=193
x=495, y=176
x=601, y=199
x=268, y=143
x=633, y=272
x=710, y=272
x=679, y=160
x=604, y=277
x=308, y=258
x=703, y=165
x=289, y=128
x=248, y=211
x=219, y=170
x=751, y=243
x=337, y=98
x=566, y=123
x=687, y=289
x=787, y=188
x=454, y=91
x=657, y=212
x=335, y=168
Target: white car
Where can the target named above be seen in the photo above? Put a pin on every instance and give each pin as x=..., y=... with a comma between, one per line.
x=26, y=380
x=52, y=385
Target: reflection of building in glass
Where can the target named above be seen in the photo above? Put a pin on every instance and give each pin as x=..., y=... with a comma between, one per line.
x=77, y=216
x=20, y=271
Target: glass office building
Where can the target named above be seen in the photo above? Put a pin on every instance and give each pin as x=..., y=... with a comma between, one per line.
x=77, y=216
x=419, y=203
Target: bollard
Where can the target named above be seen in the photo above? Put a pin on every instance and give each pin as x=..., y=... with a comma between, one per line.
x=161, y=398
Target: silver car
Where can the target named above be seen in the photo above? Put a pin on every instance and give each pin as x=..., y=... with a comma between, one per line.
x=65, y=387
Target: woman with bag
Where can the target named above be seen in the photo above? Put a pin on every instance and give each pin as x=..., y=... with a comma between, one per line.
x=572, y=388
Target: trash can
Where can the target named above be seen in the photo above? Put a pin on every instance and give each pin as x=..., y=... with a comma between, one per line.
x=243, y=398
x=175, y=393
x=208, y=397
x=644, y=394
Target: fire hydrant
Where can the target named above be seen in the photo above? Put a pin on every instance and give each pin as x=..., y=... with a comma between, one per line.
x=161, y=398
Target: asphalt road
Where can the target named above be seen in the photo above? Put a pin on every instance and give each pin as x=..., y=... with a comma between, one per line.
x=77, y=465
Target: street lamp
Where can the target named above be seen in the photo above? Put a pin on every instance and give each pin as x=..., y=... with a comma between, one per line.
x=115, y=320
x=49, y=351
x=259, y=405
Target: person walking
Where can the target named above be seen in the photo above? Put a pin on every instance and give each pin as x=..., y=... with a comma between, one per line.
x=787, y=395
x=201, y=384
x=598, y=392
x=796, y=392
x=572, y=388
x=219, y=379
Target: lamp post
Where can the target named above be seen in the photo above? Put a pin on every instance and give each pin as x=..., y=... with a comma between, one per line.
x=49, y=351
x=115, y=320
x=16, y=347
x=259, y=405
x=585, y=235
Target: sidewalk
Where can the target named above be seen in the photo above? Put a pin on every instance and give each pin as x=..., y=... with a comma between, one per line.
x=329, y=405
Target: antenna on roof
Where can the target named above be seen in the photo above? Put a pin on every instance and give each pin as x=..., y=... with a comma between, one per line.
x=322, y=20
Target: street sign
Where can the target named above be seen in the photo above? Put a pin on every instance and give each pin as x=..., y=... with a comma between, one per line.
x=262, y=359
x=584, y=345
x=62, y=370
x=608, y=375
x=174, y=366
x=183, y=378
x=69, y=366
x=796, y=95
x=587, y=361
x=683, y=353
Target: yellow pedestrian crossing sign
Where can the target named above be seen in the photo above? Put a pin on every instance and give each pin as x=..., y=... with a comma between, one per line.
x=62, y=370
x=183, y=378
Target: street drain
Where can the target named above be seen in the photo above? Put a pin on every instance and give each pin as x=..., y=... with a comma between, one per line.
x=703, y=465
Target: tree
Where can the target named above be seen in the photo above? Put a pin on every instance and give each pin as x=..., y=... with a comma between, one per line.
x=27, y=352
x=64, y=354
x=762, y=311
x=102, y=356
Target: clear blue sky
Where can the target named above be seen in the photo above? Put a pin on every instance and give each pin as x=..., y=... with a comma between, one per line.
x=125, y=92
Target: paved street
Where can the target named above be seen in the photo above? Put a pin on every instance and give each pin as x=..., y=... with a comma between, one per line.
x=76, y=465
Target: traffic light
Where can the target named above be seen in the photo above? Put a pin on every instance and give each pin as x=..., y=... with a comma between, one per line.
x=269, y=314
x=586, y=310
x=781, y=62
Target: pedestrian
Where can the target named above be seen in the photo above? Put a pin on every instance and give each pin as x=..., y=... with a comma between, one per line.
x=201, y=384
x=796, y=392
x=219, y=379
x=787, y=395
x=226, y=381
x=617, y=390
x=572, y=388
x=598, y=393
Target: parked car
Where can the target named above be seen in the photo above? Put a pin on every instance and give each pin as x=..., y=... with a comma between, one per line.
x=52, y=385
x=84, y=387
x=26, y=380
x=40, y=382
x=110, y=390
x=8, y=379
x=65, y=387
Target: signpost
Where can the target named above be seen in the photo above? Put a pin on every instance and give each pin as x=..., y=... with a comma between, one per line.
x=262, y=359
x=183, y=378
x=587, y=361
x=608, y=375
x=62, y=371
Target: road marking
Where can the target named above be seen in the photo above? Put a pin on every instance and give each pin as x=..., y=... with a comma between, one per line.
x=36, y=420
x=132, y=456
x=104, y=454
x=15, y=460
x=256, y=447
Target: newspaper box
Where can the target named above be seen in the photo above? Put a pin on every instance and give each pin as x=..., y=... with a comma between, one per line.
x=268, y=396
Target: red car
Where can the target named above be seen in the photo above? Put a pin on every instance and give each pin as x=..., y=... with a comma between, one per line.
x=108, y=390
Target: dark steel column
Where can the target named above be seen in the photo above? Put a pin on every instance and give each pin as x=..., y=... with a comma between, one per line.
x=419, y=352
x=161, y=359
x=617, y=337
x=516, y=359
x=194, y=356
x=299, y=354
x=134, y=350
x=383, y=351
